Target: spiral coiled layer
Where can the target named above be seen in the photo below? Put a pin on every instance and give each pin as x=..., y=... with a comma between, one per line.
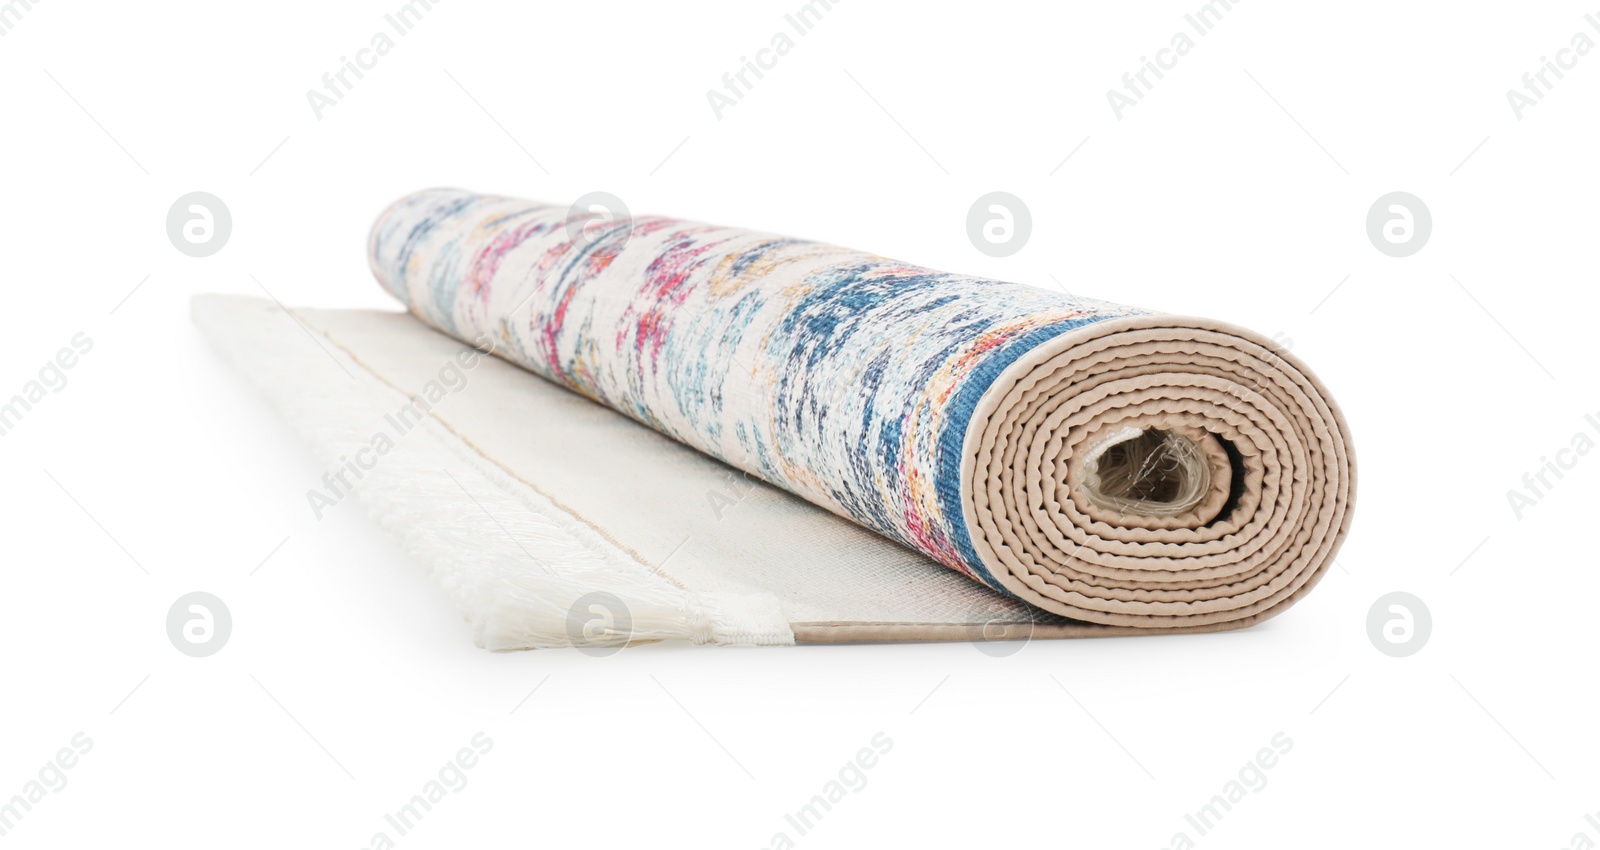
x=1181, y=401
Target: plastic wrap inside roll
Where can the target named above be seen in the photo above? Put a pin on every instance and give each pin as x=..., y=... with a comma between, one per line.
x=1104, y=463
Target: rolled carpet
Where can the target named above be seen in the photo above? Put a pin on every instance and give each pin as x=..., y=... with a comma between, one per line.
x=1106, y=464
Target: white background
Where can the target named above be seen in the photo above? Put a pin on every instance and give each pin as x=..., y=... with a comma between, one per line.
x=1238, y=188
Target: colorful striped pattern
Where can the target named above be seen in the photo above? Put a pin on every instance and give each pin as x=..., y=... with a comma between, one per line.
x=846, y=378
